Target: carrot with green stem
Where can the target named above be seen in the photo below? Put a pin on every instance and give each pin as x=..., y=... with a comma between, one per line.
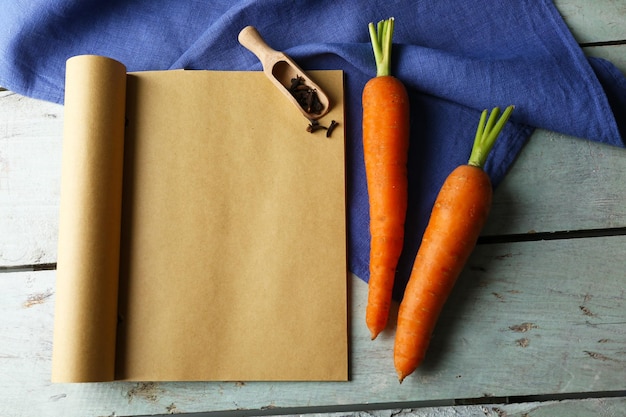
x=457, y=218
x=385, y=148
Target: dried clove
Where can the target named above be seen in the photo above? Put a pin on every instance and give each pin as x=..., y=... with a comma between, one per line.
x=305, y=96
x=315, y=126
x=330, y=129
x=295, y=83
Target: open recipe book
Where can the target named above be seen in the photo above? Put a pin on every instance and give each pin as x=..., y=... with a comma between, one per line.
x=202, y=231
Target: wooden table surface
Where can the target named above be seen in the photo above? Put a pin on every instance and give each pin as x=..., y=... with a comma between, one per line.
x=535, y=327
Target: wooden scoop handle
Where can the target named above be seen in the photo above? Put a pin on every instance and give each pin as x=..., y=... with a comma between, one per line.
x=281, y=70
x=250, y=38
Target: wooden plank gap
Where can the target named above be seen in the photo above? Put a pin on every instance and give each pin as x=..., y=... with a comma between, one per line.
x=566, y=396
x=533, y=236
x=28, y=268
x=603, y=43
x=487, y=399
x=520, y=399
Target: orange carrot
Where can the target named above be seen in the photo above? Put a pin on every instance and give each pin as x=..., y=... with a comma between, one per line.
x=456, y=220
x=385, y=147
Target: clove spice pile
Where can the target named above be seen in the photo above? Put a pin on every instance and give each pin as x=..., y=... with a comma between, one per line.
x=308, y=100
x=305, y=96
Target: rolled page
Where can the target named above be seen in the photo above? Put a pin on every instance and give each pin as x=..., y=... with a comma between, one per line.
x=90, y=217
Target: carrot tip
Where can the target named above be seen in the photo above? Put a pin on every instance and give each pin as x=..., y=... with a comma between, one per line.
x=374, y=334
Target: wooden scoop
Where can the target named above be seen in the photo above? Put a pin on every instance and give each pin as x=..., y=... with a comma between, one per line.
x=281, y=70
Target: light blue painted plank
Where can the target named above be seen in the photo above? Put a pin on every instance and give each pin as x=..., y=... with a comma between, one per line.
x=564, y=183
x=534, y=318
x=594, y=21
x=561, y=183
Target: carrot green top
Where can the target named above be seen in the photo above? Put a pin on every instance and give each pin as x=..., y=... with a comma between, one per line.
x=381, y=37
x=487, y=133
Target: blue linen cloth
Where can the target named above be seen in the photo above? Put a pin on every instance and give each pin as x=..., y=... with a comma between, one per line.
x=456, y=58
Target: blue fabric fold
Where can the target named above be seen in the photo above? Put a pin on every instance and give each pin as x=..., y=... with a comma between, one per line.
x=455, y=57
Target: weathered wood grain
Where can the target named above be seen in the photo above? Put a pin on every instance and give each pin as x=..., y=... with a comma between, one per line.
x=560, y=183
x=534, y=318
x=569, y=408
x=563, y=183
x=30, y=167
x=616, y=54
x=597, y=21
